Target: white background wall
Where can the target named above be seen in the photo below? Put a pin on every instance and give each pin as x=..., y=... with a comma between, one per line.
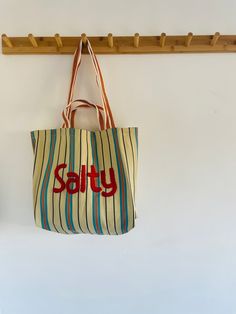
x=181, y=257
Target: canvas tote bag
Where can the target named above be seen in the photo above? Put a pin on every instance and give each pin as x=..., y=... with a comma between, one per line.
x=84, y=181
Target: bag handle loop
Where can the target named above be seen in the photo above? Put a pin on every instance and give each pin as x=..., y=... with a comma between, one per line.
x=84, y=104
x=67, y=112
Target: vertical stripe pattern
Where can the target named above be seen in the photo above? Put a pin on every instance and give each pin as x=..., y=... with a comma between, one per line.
x=84, y=210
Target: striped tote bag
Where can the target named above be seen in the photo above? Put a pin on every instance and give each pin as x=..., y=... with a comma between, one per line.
x=84, y=181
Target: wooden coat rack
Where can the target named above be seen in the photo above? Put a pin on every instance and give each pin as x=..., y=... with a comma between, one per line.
x=120, y=44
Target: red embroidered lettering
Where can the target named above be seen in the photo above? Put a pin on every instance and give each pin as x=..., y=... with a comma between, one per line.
x=111, y=185
x=72, y=178
x=56, y=172
x=77, y=182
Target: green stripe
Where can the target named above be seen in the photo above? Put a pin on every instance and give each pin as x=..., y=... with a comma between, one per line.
x=33, y=140
x=44, y=190
x=95, y=162
x=70, y=224
x=124, y=227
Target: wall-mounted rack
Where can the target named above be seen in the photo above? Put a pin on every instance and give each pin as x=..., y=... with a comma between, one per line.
x=120, y=44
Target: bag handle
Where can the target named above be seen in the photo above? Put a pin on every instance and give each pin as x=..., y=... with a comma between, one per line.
x=85, y=104
x=66, y=114
x=96, y=65
x=76, y=63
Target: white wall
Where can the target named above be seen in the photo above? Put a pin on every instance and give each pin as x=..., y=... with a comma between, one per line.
x=181, y=257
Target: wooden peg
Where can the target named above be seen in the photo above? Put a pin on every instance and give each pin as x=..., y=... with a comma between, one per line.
x=110, y=40
x=7, y=41
x=215, y=38
x=33, y=40
x=136, y=40
x=84, y=38
x=162, y=39
x=188, y=39
x=58, y=40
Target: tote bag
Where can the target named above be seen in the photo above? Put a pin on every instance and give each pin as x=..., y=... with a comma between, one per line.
x=84, y=181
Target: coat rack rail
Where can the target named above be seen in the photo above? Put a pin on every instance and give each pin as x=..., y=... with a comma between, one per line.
x=120, y=44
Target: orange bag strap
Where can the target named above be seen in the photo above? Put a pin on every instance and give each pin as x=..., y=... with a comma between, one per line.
x=67, y=112
x=109, y=121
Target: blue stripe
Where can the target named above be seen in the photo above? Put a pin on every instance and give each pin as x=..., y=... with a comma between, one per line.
x=98, y=180
x=33, y=139
x=95, y=162
x=71, y=168
x=48, y=170
x=121, y=169
x=94, y=218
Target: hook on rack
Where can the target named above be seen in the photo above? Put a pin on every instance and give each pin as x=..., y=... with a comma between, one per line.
x=136, y=40
x=58, y=40
x=188, y=39
x=84, y=38
x=33, y=40
x=7, y=41
x=215, y=38
x=162, y=39
x=110, y=40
